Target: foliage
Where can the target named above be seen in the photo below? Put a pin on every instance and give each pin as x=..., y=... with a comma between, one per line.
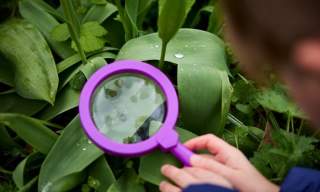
x=48, y=49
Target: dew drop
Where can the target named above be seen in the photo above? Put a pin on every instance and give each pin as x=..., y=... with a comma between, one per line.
x=84, y=149
x=89, y=142
x=179, y=55
x=156, y=46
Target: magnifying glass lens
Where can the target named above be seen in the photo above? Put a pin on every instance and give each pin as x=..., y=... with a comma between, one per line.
x=128, y=108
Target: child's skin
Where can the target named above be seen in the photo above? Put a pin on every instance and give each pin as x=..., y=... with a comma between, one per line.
x=227, y=166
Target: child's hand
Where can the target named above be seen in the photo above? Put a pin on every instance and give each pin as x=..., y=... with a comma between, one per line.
x=226, y=167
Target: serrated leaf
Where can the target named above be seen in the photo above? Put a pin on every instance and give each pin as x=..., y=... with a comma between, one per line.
x=276, y=99
x=90, y=43
x=93, y=28
x=60, y=32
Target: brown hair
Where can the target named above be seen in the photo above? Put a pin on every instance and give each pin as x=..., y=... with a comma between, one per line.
x=274, y=26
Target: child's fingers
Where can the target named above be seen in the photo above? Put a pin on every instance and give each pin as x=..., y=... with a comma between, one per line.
x=210, y=142
x=205, y=176
x=211, y=165
x=168, y=187
x=178, y=176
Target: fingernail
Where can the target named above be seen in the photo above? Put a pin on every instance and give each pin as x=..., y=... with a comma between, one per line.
x=164, y=167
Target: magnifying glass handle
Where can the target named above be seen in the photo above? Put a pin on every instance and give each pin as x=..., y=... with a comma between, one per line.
x=182, y=153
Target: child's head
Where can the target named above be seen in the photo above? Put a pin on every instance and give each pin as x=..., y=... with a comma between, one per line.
x=282, y=35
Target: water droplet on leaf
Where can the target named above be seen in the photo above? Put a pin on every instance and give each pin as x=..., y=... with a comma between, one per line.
x=179, y=55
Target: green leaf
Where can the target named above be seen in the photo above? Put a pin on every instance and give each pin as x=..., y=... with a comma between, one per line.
x=102, y=175
x=13, y=103
x=188, y=47
x=60, y=32
x=91, y=37
x=127, y=182
x=35, y=71
x=74, y=152
x=33, y=11
x=171, y=18
x=20, y=174
x=205, y=96
x=92, y=66
x=30, y=130
x=67, y=99
x=93, y=28
x=277, y=100
x=288, y=150
x=7, y=143
x=150, y=164
x=99, y=2
x=99, y=13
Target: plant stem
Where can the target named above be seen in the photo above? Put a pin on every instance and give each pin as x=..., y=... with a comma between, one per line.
x=74, y=26
x=163, y=54
x=235, y=121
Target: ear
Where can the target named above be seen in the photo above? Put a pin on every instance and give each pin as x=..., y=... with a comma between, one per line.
x=306, y=54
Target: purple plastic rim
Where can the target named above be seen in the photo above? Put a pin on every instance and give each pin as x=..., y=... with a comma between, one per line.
x=129, y=150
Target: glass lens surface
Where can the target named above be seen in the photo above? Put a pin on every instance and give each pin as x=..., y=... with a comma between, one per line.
x=128, y=108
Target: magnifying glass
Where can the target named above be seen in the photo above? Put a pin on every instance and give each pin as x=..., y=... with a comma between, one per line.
x=130, y=108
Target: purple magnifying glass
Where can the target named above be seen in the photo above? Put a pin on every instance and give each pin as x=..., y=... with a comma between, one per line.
x=129, y=108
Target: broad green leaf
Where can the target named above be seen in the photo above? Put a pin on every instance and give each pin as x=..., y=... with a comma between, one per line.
x=201, y=90
x=129, y=181
x=99, y=13
x=6, y=72
x=74, y=152
x=33, y=11
x=13, y=103
x=150, y=164
x=60, y=32
x=35, y=71
x=101, y=174
x=188, y=47
x=171, y=18
x=30, y=130
x=277, y=100
x=67, y=99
